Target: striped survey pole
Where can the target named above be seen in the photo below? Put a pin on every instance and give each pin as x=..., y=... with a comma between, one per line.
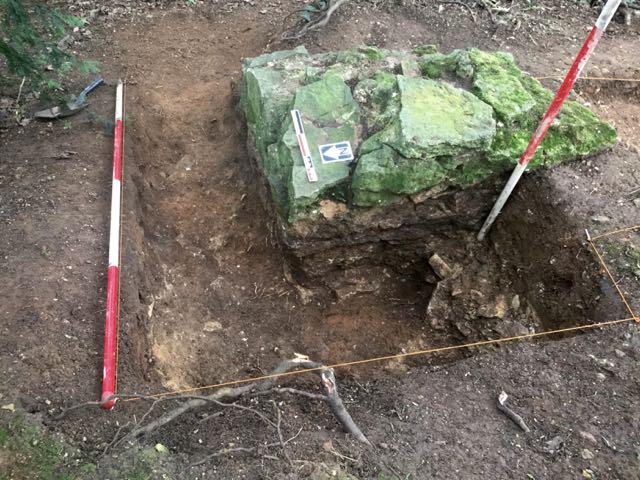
x=113, y=273
x=579, y=63
x=312, y=176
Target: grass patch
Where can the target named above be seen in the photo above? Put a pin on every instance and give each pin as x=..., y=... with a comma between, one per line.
x=27, y=451
x=625, y=256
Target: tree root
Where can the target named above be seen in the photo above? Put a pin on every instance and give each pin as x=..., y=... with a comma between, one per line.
x=226, y=397
x=328, y=381
x=316, y=24
x=510, y=414
x=461, y=4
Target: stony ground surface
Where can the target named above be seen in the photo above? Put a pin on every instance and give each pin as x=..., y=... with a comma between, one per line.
x=205, y=297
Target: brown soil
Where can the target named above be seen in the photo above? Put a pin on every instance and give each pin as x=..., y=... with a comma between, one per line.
x=205, y=295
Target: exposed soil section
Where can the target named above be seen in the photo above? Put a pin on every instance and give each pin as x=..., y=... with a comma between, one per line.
x=211, y=271
x=205, y=293
x=618, y=101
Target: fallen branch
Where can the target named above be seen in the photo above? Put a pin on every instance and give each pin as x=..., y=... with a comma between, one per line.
x=338, y=408
x=115, y=438
x=294, y=391
x=191, y=402
x=17, y=112
x=77, y=406
x=279, y=430
x=513, y=416
x=226, y=451
x=489, y=9
x=209, y=417
x=194, y=401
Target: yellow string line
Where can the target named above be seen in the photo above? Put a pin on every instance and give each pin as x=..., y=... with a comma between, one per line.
x=386, y=358
x=628, y=229
x=606, y=79
x=480, y=343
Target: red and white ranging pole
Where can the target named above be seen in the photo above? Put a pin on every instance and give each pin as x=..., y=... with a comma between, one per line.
x=579, y=63
x=113, y=273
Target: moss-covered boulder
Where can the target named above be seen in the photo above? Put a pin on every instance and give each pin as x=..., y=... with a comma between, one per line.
x=435, y=121
x=417, y=121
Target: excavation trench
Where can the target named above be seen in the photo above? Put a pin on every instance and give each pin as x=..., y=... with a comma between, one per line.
x=209, y=295
x=214, y=298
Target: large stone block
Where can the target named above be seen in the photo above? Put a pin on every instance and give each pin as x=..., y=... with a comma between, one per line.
x=430, y=133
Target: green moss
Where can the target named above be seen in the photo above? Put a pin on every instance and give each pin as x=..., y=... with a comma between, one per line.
x=329, y=114
x=438, y=119
x=32, y=453
x=277, y=169
x=148, y=455
x=625, y=256
x=437, y=65
x=29, y=451
x=451, y=120
x=473, y=168
x=4, y=437
x=267, y=58
x=354, y=56
x=372, y=53
x=365, y=198
x=88, y=470
x=497, y=81
x=388, y=174
x=379, y=99
x=577, y=132
x=425, y=50
x=381, y=138
x=326, y=101
x=266, y=100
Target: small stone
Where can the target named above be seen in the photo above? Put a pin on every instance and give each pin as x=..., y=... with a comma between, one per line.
x=497, y=309
x=330, y=209
x=589, y=437
x=515, y=302
x=587, y=454
x=9, y=406
x=601, y=376
x=440, y=267
x=620, y=353
x=636, y=202
x=161, y=448
x=554, y=444
x=603, y=362
x=476, y=295
x=212, y=326
x=600, y=219
x=438, y=312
